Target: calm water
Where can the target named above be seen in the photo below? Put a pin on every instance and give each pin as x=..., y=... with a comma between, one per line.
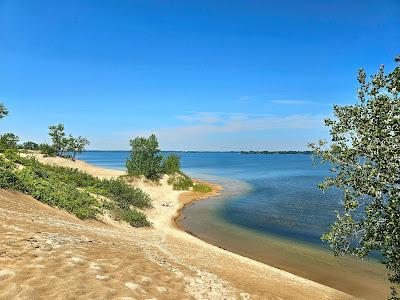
x=272, y=211
x=280, y=194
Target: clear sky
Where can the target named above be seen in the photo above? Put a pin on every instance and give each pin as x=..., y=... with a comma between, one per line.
x=202, y=75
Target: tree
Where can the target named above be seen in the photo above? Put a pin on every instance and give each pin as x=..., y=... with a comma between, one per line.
x=171, y=164
x=3, y=111
x=30, y=146
x=145, y=158
x=58, y=138
x=47, y=150
x=8, y=141
x=76, y=145
x=364, y=154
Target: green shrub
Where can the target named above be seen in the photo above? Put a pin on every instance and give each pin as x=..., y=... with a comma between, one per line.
x=8, y=141
x=48, y=189
x=180, y=182
x=123, y=194
x=145, y=158
x=171, y=164
x=201, y=188
x=47, y=150
x=133, y=217
x=69, y=189
x=30, y=146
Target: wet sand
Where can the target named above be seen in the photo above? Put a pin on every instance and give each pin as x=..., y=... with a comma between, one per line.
x=351, y=275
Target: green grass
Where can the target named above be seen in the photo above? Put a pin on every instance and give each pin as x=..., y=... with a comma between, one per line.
x=180, y=182
x=201, y=188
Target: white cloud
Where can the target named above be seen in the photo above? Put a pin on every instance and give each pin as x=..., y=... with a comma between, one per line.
x=233, y=128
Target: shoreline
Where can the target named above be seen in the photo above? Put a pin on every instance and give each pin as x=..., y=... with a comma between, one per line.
x=189, y=197
x=164, y=252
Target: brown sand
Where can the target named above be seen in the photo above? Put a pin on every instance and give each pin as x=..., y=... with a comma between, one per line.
x=46, y=253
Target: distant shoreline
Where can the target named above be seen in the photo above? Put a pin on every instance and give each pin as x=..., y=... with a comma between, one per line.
x=239, y=152
x=275, y=152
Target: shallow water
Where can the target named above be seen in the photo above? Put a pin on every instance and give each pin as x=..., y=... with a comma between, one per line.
x=270, y=210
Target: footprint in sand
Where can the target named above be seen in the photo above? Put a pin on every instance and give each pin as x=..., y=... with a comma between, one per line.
x=94, y=266
x=146, y=279
x=75, y=260
x=4, y=273
x=161, y=289
x=132, y=286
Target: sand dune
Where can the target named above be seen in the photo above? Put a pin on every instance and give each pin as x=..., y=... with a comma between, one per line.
x=46, y=253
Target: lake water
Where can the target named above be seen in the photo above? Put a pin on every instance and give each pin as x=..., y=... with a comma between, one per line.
x=270, y=210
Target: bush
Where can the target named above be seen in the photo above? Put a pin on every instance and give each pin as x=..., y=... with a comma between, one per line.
x=48, y=189
x=171, y=164
x=145, y=158
x=69, y=189
x=8, y=141
x=133, y=217
x=123, y=194
x=30, y=146
x=47, y=150
x=201, y=188
x=180, y=182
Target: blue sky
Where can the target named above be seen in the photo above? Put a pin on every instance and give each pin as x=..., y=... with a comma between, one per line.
x=202, y=75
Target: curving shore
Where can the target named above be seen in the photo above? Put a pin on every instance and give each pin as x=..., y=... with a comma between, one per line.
x=47, y=253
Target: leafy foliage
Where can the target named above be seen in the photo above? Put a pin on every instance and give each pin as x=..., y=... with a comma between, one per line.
x=364, y=153
x=76, y=145
x=66, y=146
x=58, y=138
x=171, y=164
x=201, y=188
x=3, y=111
x=47, y=150
x=8, y=141
x=30, y=146
x=72, y=190
x=133, y=217
x=180, y=182
x=145, y=158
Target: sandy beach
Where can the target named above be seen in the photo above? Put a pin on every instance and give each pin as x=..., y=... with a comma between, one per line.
x=46, y=253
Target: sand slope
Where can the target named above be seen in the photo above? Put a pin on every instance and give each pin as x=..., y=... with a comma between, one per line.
x=46, y=253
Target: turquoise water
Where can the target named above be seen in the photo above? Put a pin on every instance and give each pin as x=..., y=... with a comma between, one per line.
x=280, y=194
x=272, y=211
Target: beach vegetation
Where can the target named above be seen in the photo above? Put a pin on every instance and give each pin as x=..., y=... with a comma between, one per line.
x=8, y=141
x=145, y=159
x=171, y=164
x=180, y=182
x=201, y=188
x=47, y=150
x=76, y=145
x=3, y=111
x=30, y=146
x=73, y=190
x=58, y=138
x=66, y=146
x=364, y=156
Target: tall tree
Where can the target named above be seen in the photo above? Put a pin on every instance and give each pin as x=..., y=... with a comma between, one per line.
x=145, y=158
x=3, y=111
x=76, y=145
x=8, y=141
x=364, y=154
x=58, y=138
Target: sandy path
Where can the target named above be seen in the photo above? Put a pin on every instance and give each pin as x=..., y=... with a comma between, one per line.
x=47, y=253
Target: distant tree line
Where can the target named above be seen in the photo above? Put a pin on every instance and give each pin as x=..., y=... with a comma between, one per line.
x=276, y=152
